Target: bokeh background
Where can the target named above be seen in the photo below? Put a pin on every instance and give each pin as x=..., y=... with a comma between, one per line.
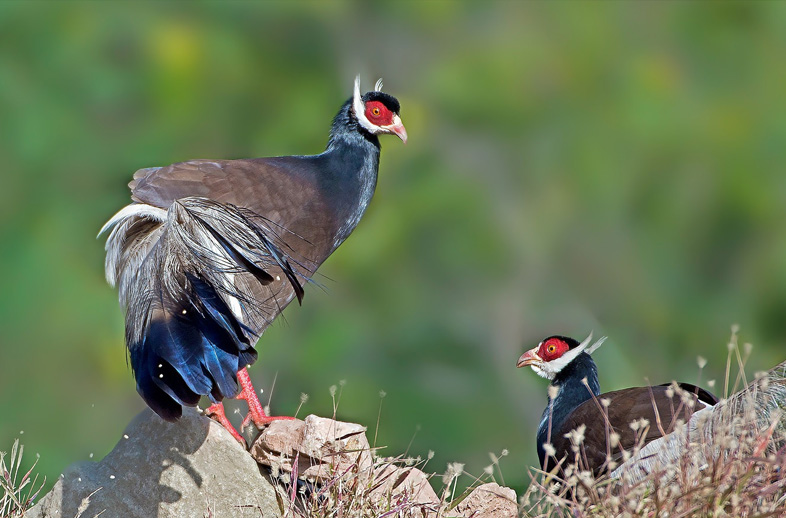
x=572, y=166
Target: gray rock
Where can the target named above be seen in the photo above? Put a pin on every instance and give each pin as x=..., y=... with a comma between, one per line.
x=488, y=501
x=323, y=447
x=189, y=469
x=395, y=483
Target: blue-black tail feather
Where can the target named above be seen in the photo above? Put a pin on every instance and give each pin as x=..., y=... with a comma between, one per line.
x=192, y=347
x=200, y=287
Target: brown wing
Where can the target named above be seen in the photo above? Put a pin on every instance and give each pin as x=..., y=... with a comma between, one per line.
x=285, y=191
x=281, y=195
x=625, y=406
x=275, y=188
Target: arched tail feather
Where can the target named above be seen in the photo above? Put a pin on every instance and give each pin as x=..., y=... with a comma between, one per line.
x=199, y=288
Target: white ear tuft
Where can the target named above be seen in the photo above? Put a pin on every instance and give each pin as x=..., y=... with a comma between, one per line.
x=356, y=94
x=592, y=348
x=378, y=85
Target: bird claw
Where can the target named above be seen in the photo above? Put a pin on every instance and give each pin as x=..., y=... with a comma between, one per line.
x=256, y=413
x=217, y=413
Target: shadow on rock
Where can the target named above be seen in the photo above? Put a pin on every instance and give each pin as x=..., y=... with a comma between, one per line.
x=159, y=469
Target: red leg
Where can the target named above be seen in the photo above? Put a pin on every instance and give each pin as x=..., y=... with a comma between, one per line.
x=216, y=411
x=256, y=413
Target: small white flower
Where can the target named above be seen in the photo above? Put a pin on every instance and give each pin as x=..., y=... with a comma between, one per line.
x=577, y=436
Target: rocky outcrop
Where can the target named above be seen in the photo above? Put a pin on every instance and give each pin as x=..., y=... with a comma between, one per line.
x=195, y=468
x=167, y=470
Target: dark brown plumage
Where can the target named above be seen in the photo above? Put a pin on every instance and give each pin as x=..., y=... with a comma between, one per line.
x=211, y=251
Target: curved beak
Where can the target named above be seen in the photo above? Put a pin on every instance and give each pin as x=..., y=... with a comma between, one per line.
x=529, y=358
x=397, y=128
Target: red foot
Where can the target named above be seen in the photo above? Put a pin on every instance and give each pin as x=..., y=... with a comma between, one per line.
x=256, y=413
x=216, y=412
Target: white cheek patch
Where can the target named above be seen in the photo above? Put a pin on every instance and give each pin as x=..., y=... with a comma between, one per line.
x=360, y=109
x=541, y=371
x=555, y=366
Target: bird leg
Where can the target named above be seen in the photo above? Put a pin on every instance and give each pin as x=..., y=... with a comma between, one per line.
x=256, y=413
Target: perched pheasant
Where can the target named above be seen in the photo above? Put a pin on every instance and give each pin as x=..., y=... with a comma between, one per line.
x=211, y=251
x=577, y=402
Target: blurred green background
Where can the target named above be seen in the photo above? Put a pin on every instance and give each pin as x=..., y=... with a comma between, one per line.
x=572, y=166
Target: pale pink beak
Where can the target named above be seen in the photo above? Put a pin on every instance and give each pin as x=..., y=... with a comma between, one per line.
x=397, y=128
x=529, y=358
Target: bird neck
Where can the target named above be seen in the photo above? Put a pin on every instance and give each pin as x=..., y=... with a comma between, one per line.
x=571, y=392
x=350, y=173
x=347, y=131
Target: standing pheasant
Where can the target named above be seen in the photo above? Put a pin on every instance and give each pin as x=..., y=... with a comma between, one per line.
x=211, y=251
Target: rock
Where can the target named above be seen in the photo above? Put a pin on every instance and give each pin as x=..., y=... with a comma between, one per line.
x=487, y=501
x=324, y=448
x=194, y=468
x=394, y=483
x=169, y=470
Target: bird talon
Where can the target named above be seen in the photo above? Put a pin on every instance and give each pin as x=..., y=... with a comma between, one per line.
x=246, y=422
x=216, y=412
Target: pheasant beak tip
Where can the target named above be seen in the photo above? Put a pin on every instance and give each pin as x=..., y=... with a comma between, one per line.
x=400, y=131
x=397, y=128
x=529, y=358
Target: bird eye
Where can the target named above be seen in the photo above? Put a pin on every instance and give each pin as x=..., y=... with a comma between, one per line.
x=551, y=348
x=375, y=112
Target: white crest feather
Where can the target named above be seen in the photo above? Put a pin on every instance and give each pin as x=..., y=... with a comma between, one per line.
x=592, y=348
x=356, y=94
x=378, y=85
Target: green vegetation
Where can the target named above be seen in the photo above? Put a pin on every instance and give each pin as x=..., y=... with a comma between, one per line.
x=572, y=166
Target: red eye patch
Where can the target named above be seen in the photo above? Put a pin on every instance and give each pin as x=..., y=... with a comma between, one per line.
x=378, y=114
x=552, y=349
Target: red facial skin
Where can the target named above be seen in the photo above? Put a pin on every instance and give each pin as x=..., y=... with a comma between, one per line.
x=378, y=114
x=552, y=349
